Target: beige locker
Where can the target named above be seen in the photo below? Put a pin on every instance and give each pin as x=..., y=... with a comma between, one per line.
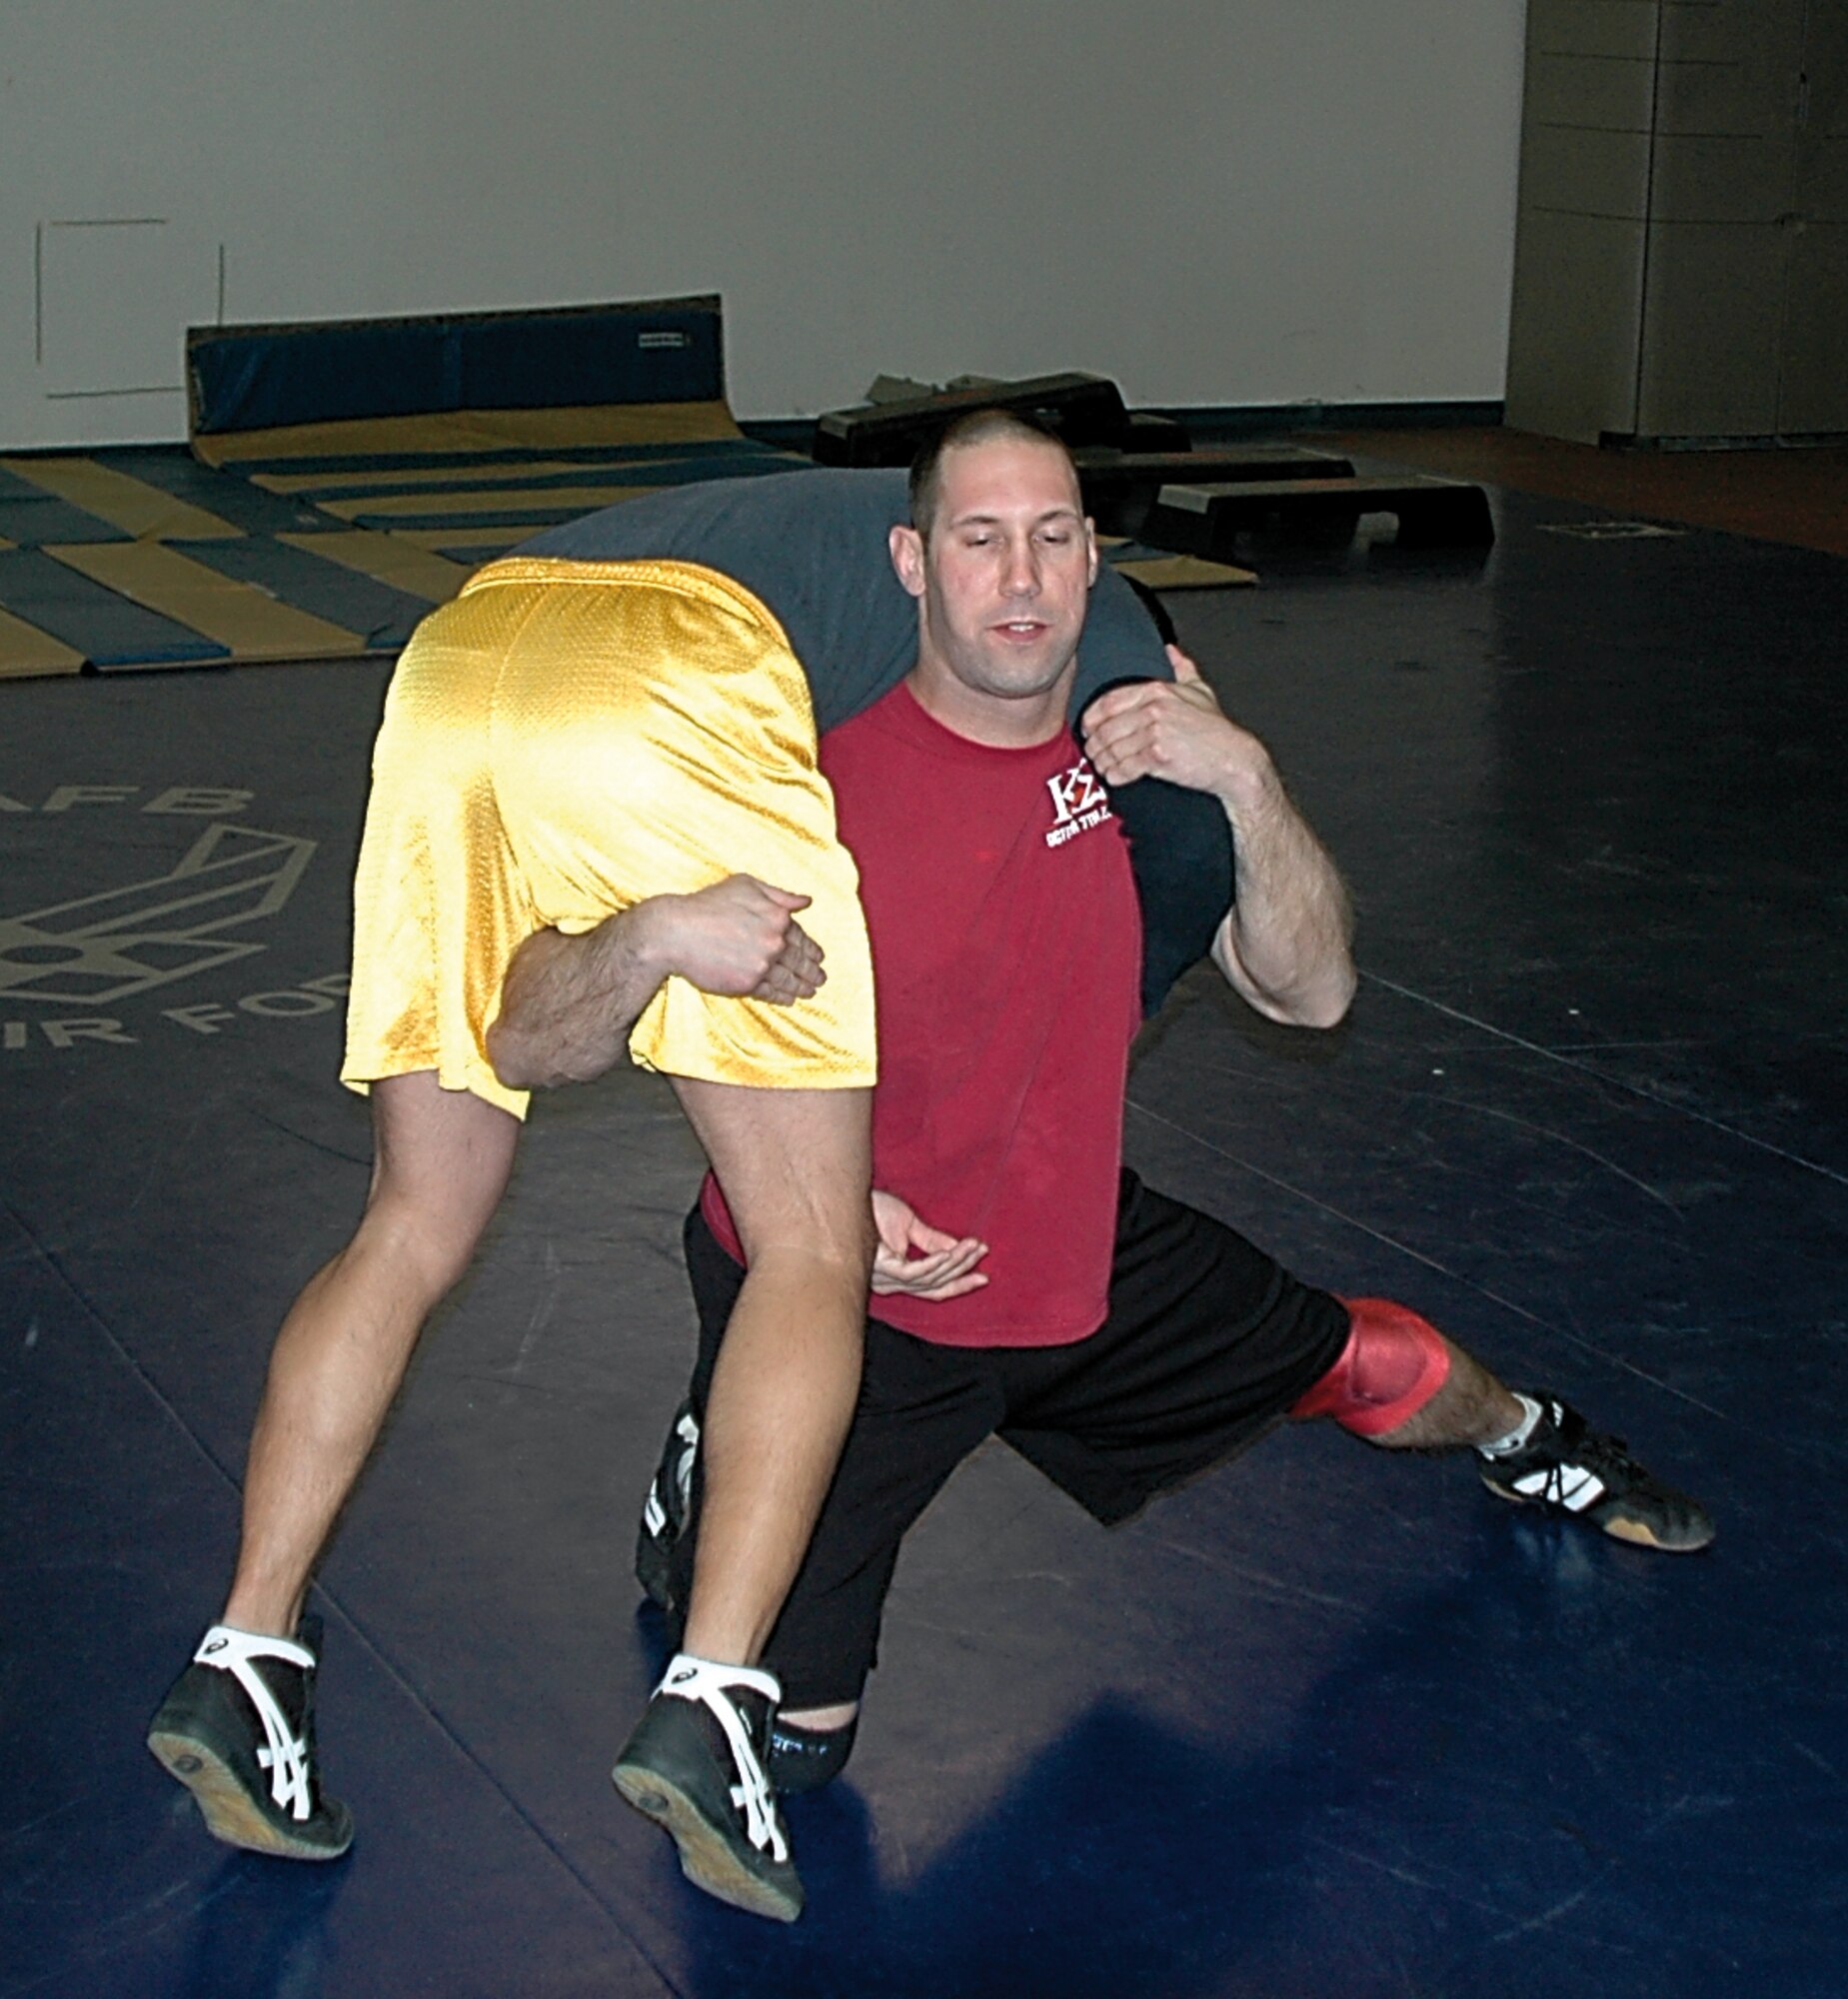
x=1682, y=251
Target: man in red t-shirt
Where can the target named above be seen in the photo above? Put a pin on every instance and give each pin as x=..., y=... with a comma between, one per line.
x=1026, y=1284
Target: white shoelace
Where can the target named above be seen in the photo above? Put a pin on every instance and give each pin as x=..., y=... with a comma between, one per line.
x=689, y=1678
x=285, y=1755
x=1569, y=1485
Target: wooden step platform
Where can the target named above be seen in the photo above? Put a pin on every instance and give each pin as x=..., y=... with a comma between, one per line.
x=1120, y=487
x=1206, y=520
x=1083, y=409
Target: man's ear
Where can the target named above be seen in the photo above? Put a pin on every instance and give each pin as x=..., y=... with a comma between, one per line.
x=906, y=546
x=1091, y=538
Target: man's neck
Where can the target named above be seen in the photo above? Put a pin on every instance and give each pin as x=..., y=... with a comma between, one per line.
x=996, y=720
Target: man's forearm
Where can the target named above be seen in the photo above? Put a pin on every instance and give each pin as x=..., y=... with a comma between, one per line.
x=1284, y=942
x=568, y=1002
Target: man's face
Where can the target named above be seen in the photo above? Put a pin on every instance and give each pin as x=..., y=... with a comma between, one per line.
x=1001, y=585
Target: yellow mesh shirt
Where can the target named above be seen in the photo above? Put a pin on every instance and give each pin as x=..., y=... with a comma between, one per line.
x=562, y=740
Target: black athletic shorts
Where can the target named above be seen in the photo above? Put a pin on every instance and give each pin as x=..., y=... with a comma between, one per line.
x=1206, y=1345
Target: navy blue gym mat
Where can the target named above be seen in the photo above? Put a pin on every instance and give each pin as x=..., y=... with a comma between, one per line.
x=1329, y=1722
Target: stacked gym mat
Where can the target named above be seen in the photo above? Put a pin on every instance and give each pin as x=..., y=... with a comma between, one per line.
x=342, y=479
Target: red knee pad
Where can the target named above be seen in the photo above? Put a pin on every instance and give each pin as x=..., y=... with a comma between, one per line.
x=1392, y=1364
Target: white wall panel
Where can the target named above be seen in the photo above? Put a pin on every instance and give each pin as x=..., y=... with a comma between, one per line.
x=1216, y=201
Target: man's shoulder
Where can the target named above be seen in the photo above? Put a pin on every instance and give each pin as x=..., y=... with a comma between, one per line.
x=861, y=736
x=777, y=516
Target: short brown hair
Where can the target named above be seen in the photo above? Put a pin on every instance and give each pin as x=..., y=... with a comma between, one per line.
x=971, y=428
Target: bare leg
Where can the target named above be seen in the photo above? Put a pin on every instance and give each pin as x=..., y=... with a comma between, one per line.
x=440, y=1164
x=795, y=1166
x=823, y=1720
x=1472, y=1408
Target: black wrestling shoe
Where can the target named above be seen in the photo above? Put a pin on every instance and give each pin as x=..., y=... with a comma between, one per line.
x=238, y=1730
x=664, y=1511
x=695, y=1766
x=1583, y=1474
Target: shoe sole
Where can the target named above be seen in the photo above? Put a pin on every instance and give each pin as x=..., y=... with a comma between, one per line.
x=223, y=1803
x=706, y=1854
x=1620, y=1528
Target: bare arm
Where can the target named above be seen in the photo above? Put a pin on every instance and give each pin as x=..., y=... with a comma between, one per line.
x=568, y=1003
x=1284, y=942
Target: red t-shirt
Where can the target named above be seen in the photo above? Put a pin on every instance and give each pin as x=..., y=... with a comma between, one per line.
x=1006, y=945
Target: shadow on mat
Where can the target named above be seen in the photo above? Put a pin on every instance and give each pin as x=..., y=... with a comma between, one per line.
x=263, y=1931
x=1440, y=1796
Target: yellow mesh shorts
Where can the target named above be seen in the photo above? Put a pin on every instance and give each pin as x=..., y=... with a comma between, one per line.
x=562, y=740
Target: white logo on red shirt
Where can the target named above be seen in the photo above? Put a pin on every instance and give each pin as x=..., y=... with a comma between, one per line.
x=1079, y=802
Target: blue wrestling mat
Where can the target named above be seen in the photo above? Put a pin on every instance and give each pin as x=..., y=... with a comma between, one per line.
x=1328, y=1723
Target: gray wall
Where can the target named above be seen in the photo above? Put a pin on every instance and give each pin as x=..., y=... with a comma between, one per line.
x=1216, y=201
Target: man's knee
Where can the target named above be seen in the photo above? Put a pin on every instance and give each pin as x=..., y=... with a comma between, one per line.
x=1394, y=1363
x=409, y=1229
x=441, y=1162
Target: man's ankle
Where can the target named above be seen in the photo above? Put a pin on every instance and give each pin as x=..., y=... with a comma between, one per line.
x=821, y=1721
x=263, y=1616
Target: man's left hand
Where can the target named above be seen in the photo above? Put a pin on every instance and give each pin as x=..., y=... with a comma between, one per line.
x=918, y=1260
x=1169, y=728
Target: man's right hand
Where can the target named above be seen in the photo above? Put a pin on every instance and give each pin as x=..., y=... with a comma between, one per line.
x=740, y=938
x=568, y=1003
